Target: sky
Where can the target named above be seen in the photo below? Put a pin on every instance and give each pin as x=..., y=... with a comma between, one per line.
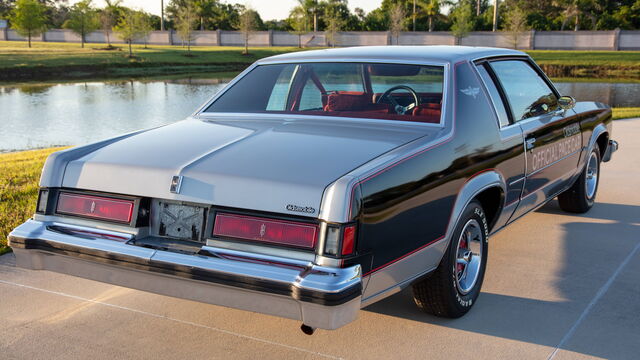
x=268, y=9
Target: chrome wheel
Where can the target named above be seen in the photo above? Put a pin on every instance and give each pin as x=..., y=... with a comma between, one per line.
x=591, y=178
x=469, y=256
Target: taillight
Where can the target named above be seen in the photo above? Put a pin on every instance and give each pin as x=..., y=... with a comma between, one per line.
x=348, y=240
x=340, y=240
x=271, y=231
x=95, y=207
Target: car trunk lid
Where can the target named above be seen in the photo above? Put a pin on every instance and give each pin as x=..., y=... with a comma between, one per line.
x=273, y=165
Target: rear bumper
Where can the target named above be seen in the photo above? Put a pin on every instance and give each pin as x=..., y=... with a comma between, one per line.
x=320, y=297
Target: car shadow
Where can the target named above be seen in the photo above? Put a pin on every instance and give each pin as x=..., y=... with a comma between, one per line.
x=592, y=252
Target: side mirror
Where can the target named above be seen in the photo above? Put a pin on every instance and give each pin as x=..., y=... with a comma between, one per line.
x=566, y=102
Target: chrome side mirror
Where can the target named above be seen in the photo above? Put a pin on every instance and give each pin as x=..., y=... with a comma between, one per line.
x=566, y=102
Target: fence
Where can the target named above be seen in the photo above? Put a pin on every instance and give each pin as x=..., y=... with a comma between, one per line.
x=545, y=40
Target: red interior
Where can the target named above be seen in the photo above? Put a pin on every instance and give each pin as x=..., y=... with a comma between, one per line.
x=362, y=105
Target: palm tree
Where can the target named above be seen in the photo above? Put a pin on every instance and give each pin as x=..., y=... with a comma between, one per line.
x=431, y=8
x=575, y=8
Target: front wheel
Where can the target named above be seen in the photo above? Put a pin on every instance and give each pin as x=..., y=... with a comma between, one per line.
x=579, y=198
x=454, y=286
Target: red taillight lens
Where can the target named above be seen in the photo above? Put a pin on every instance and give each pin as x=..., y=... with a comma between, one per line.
x=95, y=207
x=265, y=230
x=348, y=240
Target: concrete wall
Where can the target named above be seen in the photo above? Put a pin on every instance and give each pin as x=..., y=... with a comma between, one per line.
x=576, y=40
x=629, y=40
x=425, y=38
x=552, y=40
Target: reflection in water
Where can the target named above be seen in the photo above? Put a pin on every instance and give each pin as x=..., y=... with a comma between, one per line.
x=614, y=94
x=78, y=113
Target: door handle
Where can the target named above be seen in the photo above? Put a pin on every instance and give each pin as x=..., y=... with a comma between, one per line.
x=530, y=143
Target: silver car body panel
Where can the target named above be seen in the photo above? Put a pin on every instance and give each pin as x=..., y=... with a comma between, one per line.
x=265, y=174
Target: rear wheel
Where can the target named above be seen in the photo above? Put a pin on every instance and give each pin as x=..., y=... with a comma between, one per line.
x=580, y=197
x=454, y=286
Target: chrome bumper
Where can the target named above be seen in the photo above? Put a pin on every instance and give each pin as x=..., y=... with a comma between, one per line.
x=611, y=148
x=320, y=297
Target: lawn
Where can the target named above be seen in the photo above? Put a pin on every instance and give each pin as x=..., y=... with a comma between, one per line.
x=586, y=58
x=17, y=54
x=626, y=112
x=68, y=60
x=19, y=176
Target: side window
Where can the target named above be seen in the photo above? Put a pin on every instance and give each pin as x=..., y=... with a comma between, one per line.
x=499, y=105
x=528, y=94
x=278, y=98
x=311, y=98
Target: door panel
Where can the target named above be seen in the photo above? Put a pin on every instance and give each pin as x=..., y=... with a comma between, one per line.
x=552, y=138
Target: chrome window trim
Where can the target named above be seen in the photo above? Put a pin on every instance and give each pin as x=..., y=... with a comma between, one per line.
x=445, y=85
x=487, y=94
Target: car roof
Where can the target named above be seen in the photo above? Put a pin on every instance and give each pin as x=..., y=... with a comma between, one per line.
x=437, y=54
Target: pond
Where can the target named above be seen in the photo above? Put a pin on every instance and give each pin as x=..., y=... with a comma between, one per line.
x=35, y=116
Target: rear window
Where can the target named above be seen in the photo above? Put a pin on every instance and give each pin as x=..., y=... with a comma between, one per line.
x=361, y=90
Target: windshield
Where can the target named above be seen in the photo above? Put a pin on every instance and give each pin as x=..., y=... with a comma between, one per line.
x=361, y=90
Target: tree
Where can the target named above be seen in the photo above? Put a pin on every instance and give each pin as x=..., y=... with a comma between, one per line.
x=145, y=27
x=516, y=25
x=28, y=18
x=431, y=9
x=247, y=27
x=396, y=21
x=298, y=22
x=83, y=20
x=6, y=6
x=333, y=24
x=204, y=10
x=185, y=22
x=108, y=17
x=462, y=20
x=129, y=27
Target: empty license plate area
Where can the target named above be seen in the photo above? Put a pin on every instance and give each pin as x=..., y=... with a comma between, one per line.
x=178, y=220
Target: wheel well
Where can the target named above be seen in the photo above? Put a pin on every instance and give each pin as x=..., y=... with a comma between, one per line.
x=491, y=200
x=603, y=142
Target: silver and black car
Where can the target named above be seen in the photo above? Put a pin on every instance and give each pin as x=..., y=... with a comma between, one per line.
x=319, y=182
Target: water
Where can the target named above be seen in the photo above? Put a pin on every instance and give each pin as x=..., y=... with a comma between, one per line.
x=34, y=116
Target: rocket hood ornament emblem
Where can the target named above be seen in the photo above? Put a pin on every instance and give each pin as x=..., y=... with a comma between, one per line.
x=176, y=184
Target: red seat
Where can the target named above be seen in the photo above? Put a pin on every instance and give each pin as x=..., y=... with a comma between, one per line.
x=347, y=101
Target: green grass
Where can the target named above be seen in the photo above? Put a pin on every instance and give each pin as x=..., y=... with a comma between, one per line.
x=17, y=54
x=67, y=61
x=626, y=112
x=586, y=58
x=19, y=176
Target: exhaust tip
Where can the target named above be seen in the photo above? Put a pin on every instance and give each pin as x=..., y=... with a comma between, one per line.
x=308, y=330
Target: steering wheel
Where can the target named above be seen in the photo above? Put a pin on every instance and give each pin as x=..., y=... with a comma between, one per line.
x=399, y=109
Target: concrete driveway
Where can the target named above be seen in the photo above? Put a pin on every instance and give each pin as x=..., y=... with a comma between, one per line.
x=557, y=285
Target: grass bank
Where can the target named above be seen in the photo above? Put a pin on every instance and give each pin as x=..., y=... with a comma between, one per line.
x=20, y=173
x=69, y=61
x=626, y=113
x=19, y=176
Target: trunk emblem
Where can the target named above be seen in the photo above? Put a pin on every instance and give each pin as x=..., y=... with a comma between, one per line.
x=176, y=183
x=304, y=209
x=93, y=207
x=263, y=230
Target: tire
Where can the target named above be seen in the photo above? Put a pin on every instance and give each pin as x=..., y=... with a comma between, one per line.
x=450, y=291
x=580, y=197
